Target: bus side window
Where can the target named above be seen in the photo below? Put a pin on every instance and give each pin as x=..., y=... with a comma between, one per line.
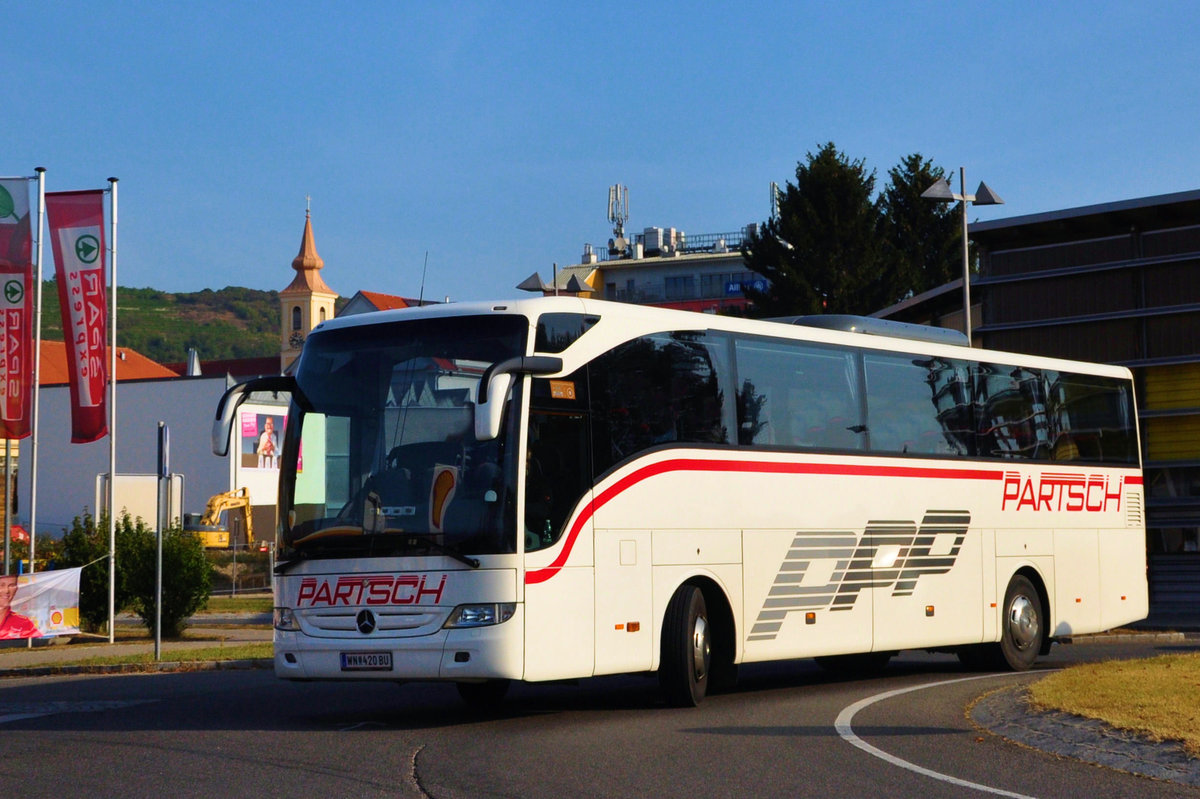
x=558, y=462
x=1090, y=418
x=797, y=394
x=1010, y=412
x=557, y=474
x=917, y=405
x=661, y=389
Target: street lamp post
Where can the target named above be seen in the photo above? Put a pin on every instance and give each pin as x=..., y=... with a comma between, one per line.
x=941, y=192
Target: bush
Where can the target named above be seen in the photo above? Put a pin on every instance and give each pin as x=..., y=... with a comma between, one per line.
x=186, y=575
x=186, y=578
x=86, y=544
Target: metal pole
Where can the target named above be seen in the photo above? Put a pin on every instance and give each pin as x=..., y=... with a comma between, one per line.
x=112, y=423
x=962, y=182
x=164, y=469
x=37, y=362
x=7, y=506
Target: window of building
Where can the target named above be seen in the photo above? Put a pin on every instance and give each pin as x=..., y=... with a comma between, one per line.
x=296, y=317
x=681, y=287
x=1172, y=540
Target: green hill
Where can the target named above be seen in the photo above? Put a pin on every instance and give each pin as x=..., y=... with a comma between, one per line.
x=231, y=323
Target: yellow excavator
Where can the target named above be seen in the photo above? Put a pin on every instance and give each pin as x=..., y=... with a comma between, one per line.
x=209, y=529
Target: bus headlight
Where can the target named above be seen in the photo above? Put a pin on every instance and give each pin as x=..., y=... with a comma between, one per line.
x=482, y=615
x=285, y=619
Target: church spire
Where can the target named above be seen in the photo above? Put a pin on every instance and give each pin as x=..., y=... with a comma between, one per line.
x=307, y=262
x=307, y=301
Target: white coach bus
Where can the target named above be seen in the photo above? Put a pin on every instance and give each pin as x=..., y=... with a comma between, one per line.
x=558, y=488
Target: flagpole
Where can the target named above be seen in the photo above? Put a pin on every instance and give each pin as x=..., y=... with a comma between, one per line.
x=112, y=421
x=37, y=362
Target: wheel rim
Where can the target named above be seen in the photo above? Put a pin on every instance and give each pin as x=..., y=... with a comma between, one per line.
x=700, y=648
x=1023, y=622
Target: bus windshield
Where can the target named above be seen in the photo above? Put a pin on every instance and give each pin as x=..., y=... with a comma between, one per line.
x=385, y=461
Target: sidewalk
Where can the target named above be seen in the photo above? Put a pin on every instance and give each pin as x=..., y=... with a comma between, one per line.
x=17, y=658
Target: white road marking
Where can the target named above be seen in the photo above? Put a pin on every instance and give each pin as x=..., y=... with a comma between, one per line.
x=15, y=711
x=844, y=719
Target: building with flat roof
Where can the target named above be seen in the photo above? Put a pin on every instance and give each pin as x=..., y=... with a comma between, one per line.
x=667, y=268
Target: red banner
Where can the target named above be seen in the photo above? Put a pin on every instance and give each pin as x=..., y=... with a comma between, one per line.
x=16, y=309
x=77, y=234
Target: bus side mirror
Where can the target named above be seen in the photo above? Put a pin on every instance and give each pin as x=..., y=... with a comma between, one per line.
x=490, y=412
x=233, y=398
x=494, y=386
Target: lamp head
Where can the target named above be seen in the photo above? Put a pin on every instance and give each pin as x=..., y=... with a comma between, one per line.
x=940, y=191
x=985, y=196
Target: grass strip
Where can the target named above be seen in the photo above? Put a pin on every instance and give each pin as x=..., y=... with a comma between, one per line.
x=249, y=603
x=1156, y=697
x=251, y=651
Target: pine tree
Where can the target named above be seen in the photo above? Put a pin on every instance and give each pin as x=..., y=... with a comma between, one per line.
x=835, y=248
x=922, y=239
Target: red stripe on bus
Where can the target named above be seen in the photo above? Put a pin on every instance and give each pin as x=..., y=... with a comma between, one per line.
x=759, y=467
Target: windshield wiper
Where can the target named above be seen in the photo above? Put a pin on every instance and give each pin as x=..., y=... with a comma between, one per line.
x=441, y=549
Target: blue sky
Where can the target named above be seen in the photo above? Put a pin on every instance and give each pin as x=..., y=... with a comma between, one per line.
x=487, y=134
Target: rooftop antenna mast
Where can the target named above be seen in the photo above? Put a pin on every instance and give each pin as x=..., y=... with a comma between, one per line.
x=618, y=215
x=421, y=296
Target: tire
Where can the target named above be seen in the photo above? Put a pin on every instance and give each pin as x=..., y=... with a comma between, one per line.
x=1023, y=623
x=1022, y=635
x=483, y=695
x=686, y=657
x=858, y=665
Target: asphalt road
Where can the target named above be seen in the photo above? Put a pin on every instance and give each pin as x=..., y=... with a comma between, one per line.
x=239, y=733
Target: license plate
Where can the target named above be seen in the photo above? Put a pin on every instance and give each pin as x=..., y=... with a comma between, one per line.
x=366, y=661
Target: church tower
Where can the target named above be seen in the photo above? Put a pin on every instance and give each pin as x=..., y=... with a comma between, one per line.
x=307, y=301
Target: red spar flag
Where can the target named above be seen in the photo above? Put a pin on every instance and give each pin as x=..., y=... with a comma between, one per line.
x=16, y=309
x=77, y=234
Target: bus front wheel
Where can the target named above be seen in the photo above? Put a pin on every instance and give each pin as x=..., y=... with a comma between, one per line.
x=686, y=656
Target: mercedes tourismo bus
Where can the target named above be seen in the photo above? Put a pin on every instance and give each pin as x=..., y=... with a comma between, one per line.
x=558, y=488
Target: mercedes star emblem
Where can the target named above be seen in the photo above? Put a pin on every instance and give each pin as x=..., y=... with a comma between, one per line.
x=365, y=621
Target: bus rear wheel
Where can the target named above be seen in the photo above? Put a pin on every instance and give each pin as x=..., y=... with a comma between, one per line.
x=1024, y=624
x=686, y=657
x=1022, y=635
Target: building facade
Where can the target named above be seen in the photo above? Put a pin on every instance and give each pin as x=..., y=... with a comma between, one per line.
x=1114, y=283
x=667, y=268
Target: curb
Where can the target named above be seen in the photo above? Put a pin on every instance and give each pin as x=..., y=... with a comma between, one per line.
x=1005, y=712
x=1120, y=638
x=163, y=666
